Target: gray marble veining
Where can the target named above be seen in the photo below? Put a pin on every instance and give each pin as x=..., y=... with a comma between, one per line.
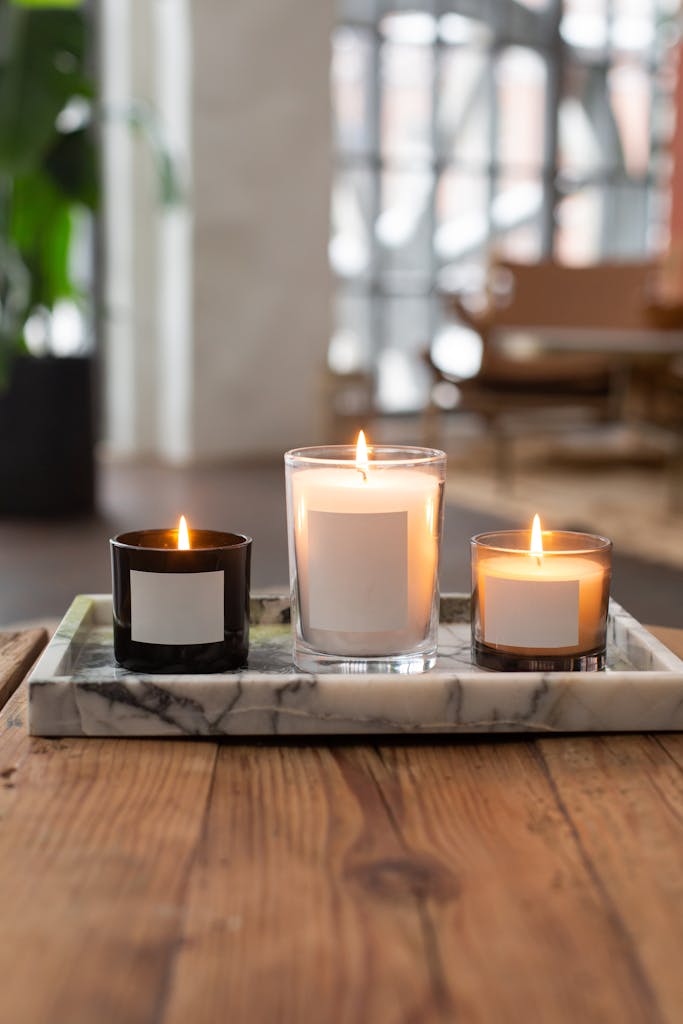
x=77, y=689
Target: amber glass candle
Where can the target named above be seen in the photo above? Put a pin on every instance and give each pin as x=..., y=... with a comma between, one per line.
x=540, y=604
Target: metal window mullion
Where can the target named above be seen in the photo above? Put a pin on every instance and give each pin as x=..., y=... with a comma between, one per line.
x=410, y=165
x=609, y=199
x=654, y=182
x=494, y=123
x=437, y=171
x=377, y=313
x=551, y=142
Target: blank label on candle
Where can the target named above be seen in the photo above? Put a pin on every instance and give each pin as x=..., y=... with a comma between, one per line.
x=176, y=607
x=526, y=613
x=358, y=571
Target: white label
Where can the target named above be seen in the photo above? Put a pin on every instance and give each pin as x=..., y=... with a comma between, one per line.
x=176, y=607
x=358, y=571
x=526, y=613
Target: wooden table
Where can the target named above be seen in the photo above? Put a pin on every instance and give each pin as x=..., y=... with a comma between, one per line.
x=469, y=880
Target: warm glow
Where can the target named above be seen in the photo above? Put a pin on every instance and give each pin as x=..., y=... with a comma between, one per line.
x=536, y=547
x=362, y=455
x=183, y=535
x=429, y=512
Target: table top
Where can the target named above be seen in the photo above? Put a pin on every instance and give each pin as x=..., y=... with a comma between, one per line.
x=408, y=880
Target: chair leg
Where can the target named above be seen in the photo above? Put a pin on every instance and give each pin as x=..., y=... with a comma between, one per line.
x=503, y=453
x=676, y=478
x=432, y=426
x=620, y=392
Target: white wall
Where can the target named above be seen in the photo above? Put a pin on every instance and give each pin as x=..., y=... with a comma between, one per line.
x=219, y=313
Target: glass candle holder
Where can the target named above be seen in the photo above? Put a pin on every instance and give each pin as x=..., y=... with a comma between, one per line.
x=540, y=612
x=364, y=540
x=181, y=610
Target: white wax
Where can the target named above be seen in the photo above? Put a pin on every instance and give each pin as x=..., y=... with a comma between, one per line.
x=553, y=603
x=366, y=556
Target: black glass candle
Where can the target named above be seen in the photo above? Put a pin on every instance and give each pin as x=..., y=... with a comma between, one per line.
x=181, y=610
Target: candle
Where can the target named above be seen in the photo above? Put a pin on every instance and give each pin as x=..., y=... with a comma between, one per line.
x=540, y=597
x=364, y=546
x=181, y=599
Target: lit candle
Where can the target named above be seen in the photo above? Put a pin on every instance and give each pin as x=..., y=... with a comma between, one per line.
x=542, y=595
x=364, y=535
x=181, y=599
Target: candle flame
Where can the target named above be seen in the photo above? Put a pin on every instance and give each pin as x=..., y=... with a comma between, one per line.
x=183, y=535
x=536, y=545
x=362, y=455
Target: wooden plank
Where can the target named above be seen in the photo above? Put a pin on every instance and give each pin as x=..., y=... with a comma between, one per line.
x=18, y=651
x=409, y=882
x=622, y=796
x=671, y=638
x=96, y=842
x=530, y=935
x=282, y=924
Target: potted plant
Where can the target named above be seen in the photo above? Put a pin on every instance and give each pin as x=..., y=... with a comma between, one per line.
x=48, y=191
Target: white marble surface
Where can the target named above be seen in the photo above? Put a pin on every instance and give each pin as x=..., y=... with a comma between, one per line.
x=76, y=689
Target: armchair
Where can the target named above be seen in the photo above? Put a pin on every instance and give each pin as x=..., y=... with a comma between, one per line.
x=553, y=336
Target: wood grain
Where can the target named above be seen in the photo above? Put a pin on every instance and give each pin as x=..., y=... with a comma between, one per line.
x=623, y=799
x=96, y=845
x=302, y=905
x=18, y=651
x=671, y=638
x=410, y=882
x=531, y=933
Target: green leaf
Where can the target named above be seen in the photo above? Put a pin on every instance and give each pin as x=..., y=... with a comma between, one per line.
x=46, y=3
x=15, y=289
x=40, y=228
x=41, y=68
x=46, y=176
x=56, y=278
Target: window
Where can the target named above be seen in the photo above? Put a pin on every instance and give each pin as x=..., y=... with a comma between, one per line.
x=529, y=128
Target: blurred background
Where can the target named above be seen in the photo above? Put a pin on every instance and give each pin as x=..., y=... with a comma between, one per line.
x=230, y=229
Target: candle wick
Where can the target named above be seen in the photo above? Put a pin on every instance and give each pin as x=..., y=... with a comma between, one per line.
x=363, y=473
x=538, y=561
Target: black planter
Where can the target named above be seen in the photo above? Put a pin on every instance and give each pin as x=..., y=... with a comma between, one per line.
x=47, y=438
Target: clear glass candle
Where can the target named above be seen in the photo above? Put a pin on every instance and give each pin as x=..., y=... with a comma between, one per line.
x=364, y=536
x=540, y=605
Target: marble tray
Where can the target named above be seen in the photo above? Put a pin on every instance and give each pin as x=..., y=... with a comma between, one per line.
x=76, y=688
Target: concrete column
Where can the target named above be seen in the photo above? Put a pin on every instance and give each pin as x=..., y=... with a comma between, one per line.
x=261, y=168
